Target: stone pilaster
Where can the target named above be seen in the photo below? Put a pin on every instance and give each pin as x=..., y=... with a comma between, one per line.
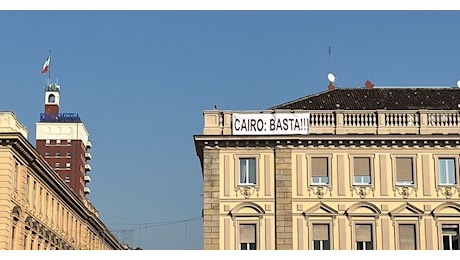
x=283, y=199
x=211, y=199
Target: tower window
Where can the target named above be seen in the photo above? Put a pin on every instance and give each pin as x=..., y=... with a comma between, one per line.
x=51, y=98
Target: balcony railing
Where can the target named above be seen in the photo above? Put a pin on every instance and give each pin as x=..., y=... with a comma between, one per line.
x=354, y=121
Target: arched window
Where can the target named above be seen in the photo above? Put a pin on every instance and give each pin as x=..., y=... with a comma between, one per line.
x=51, y=98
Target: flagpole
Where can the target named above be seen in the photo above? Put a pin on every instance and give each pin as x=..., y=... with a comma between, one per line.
x=49, y=68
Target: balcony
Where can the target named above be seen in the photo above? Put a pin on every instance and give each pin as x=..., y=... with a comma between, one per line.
x=87, y=178
x=343, y=122
x=88, y=145
x=88, y=156
x=87, y=167
x=87, y=190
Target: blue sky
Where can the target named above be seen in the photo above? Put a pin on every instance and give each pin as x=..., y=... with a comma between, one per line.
x=141, y=79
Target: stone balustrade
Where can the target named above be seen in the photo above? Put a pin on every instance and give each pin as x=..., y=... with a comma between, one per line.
x=427, y=122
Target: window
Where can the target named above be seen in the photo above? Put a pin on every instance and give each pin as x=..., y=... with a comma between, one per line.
x=67, y=165
x=13, y=236
x=404, y=171
x=69, y=154
x=48, y=141
x=51, y=98
x=247, y=171
x=58, y=141
x=407, y=237
x=447, y=171
x=58, y=153
x=27, y=187
x=319, y=170
x=364, y=239
x=362, y=170
x=47, y=154
x=67, y=178
x=46, y=204
x=248, y=236
x=450, y=237
x=321, y=238
x=58, y=165
x=34, y=188
x=16, y=175
x=69, y=141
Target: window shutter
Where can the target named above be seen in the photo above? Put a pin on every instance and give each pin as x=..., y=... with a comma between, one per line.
x=363, y=233
x=362, y=166
x=247, y=233
x=320, y=232
x=404, y=169
x=319, y=167
x=407, y=237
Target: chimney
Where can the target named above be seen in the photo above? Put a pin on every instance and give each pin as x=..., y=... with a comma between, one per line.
x=331, y=86
x=369, y=84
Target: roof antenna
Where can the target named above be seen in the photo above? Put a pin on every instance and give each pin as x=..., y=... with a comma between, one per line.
x=330, y=76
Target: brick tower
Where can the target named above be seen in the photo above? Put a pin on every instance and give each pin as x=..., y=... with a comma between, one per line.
x=62, y=139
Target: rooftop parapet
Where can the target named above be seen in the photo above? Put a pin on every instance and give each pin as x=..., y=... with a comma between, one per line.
x=9, y=123
x=338, y=121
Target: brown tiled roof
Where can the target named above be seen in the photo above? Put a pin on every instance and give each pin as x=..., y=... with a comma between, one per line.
x=391, y=98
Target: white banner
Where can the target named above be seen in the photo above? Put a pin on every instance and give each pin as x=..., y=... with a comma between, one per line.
x=271, y=124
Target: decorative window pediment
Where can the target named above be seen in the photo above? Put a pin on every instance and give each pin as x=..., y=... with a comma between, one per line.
x=363, y=209
x=406, y=210
x=447, y=209
x=247, y=209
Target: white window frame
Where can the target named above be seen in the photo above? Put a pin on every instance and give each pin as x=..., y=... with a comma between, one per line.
x=371, y=170
x=437, y=159
x=396, y=183
x=320, y=180
x=257, y=230
x=312, y=241
x=238, y=159
x=373, y=235
x=442, y=234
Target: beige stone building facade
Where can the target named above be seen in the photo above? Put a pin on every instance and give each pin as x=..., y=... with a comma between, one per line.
x=38, y=210
x=366, y=168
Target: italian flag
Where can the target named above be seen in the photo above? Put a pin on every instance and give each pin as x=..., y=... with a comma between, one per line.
x=46, y=65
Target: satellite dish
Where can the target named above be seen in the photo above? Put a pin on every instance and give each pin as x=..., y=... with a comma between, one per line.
x=458, y=83
x=331, y=77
